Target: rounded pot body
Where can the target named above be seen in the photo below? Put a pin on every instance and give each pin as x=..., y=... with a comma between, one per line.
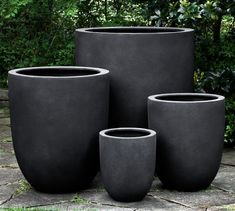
x=56, y=115
x=142, y=61
x=190, y=138
x=127, y=162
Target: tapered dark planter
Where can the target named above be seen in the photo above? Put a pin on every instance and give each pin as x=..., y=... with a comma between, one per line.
x=127, y=162
x=142, y=61
x=190, y=138
x=56, y=116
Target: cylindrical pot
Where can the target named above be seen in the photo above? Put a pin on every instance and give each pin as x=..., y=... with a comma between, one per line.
x=127, y=162
x=190, y=130
x=56, y=115
x=142, y=61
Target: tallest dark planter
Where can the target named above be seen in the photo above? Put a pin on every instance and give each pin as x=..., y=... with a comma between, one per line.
x=142, y=61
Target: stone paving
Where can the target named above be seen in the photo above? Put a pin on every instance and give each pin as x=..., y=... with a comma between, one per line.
x=15, y=192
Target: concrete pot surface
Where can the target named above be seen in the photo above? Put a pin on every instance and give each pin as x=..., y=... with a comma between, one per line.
x=56, y=115
x=127, y=162
x=142, y=61
x=190, y=129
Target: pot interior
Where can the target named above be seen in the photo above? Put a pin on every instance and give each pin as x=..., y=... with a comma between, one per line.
x=134, y=30
x=58, y=72
x=186, y=97
x=127, y=133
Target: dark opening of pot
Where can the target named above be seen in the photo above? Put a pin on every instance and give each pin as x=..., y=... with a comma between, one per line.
x=134, y=30
x=63, y=72
x=186, y=97
x=127, y=133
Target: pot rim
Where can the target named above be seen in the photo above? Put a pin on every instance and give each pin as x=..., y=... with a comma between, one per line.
x=100, y=71
x=150, y=132
x=215, y=97
x=178, y=30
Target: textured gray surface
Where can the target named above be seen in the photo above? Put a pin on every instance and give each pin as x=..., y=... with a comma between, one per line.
x=4, y=98
x=142, y=62
x=122, y=149
x=14, y=191
x=56, y=115
x=190, y=136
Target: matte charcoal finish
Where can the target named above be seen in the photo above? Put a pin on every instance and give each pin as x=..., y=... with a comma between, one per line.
x=56, y=116
x=142, y=61
x=190, y=138
x=127, y=162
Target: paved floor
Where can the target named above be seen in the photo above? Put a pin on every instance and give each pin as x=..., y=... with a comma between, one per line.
x=16, y=192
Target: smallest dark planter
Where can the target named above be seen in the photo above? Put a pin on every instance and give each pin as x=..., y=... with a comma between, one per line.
x=127, y=162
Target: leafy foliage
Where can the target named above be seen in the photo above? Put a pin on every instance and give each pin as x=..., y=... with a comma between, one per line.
x=230, y=122
x=39, y=32
x=221, y=82
x=214, y=25
x=24, y=186
x=79, y=200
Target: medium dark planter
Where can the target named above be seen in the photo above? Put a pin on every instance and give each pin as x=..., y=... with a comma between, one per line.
x=127, y=162
x=56, y=116
x=142, y=61
x=190, y=138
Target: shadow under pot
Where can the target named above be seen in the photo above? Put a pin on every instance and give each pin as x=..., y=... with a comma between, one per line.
x=127, y=162
x=56, y=115
x=190, y=138
x=142, y=61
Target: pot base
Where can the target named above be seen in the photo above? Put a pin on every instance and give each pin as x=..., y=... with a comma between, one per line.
x=128, y=198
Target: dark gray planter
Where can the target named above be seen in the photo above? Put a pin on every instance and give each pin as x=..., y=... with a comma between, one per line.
x=190, y=138
x=56, y=116
x=142, y=61
x=127, y=162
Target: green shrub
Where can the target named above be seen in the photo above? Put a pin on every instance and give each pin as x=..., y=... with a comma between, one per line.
x=39, y=33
